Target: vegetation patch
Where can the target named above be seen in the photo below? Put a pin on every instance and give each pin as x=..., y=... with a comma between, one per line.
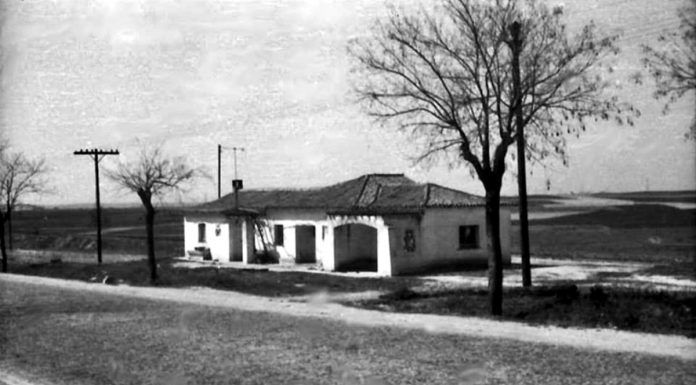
x=648, y=311
x=250, y=281
x=562, y=305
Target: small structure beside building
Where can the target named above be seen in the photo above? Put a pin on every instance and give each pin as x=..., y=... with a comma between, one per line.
x=386, y=223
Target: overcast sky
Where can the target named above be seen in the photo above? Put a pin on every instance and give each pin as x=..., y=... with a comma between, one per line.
x=271, y=76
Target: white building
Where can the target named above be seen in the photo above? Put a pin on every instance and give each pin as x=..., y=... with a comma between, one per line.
x=380, y=222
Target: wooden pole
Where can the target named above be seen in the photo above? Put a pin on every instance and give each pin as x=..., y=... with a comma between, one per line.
x=95, y=154
x=521, y=166
x=219, y=171
x=96, y=186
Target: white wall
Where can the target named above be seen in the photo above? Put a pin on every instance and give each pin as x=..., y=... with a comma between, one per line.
x=437, y=239
x=217, y=243
x=291, y=219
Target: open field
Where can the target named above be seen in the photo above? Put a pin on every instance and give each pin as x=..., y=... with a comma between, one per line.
x=74, y=229
x=652, y=233
x=72, y=337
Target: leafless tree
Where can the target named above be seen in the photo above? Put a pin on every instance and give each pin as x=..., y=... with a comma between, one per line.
x=672, y=63
x=444, y=75
x=19, y=176
x=152, y=175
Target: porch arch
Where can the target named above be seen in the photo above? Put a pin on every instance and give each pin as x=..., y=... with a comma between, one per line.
x=359, y=237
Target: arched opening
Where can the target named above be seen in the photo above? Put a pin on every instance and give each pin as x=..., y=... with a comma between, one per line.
x=355, y=247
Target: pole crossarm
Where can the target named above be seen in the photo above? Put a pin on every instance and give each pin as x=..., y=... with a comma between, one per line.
x=97, y=155
x=95, y=152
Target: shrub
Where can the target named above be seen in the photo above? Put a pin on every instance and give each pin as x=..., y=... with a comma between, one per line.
x=566, y=294
x=402, y=294
x=598, y=296
x=267, y=257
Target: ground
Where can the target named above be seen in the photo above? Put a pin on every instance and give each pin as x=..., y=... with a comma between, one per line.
x=88, y=337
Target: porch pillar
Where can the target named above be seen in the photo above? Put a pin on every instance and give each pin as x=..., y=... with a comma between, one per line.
x=328, y=259
x=289, y=244
x=383, y=251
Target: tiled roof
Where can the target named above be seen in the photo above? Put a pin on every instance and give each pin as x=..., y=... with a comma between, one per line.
x=370, y=193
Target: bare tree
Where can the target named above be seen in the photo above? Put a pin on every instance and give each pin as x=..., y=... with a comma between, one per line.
x=152, y=175
x=673, y=63
x=19, y=176
x=444, y=75
x=3, y=247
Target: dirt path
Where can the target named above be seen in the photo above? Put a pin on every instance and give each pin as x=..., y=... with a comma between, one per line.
x=320, y=307
x=11, y=376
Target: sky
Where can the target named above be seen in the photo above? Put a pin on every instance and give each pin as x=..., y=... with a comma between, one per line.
x=273, y=77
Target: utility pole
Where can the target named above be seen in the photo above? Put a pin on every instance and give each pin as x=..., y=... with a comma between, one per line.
x=516, y=46
x=219, y=168
x=97, y=155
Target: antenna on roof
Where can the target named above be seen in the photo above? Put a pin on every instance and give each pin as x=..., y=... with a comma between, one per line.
x=237, y=184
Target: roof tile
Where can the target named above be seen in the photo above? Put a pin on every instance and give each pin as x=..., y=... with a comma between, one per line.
x=367, y=193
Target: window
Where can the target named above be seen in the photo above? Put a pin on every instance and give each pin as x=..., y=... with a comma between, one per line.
x=324, y=231
x=278, y=235
x=201, y=233
x=468, y=237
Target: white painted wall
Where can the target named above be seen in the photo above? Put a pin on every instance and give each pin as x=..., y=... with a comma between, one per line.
x=437, y=241
x=291, y=219
x=217, y=243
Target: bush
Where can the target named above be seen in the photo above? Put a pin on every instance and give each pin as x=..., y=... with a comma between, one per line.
x=267, y=256
x=598, y=296
x=566, y=294
x=402, y=294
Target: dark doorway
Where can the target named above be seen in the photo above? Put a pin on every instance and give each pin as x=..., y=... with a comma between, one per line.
x=355, y=248
x=305, y=244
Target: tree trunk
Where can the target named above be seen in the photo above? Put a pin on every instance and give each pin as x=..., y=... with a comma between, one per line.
x=495, y=255
x=146, y=198
x=2, y=242
x=9, y=229
x=150, y=224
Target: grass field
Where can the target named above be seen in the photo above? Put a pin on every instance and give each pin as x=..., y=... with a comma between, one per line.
x=564, y=305
x=74, y=229
x=71, y=337
x=601, y=307
x=651, y=233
